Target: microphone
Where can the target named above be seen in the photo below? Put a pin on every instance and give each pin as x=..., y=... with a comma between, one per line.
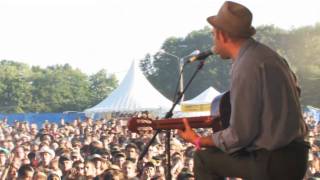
x=201, y=56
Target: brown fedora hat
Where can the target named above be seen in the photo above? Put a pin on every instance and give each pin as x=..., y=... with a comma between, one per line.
x=233, y=18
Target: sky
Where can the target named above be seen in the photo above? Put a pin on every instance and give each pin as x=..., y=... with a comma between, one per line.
x=109, y=34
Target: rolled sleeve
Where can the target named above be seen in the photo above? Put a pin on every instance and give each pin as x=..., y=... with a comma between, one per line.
x=219, y=141
x=226, y=139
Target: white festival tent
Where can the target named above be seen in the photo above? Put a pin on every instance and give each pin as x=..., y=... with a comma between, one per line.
x=199, y=105
x=135, y=93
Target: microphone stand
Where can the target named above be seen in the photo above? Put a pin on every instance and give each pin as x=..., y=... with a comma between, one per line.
x=169, y=114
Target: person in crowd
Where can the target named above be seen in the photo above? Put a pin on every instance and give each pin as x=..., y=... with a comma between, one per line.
x=3, y=160
x=53, y=176
x=44, y=151
x=54, y=166
x=25, y=172
x=119, y=159
x=38, y=175
x=101, y=164
x=65, y=164
x=188, y=165
x=79, y=168
x=132, y=152
x=130, y=170
x=113, y=174
x=148, y=171
x=89, y=170
x=46, y=155
x=11, y=172
x=19, y=152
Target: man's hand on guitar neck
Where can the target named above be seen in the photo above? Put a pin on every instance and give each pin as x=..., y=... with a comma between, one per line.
x=191, y=136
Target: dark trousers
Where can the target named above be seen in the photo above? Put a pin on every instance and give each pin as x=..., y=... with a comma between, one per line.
x=287, y=163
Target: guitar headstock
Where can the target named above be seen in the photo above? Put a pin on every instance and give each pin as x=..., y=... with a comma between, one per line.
x=142, y=124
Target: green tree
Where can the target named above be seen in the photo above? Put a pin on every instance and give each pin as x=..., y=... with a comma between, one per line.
x=15, y=87
x=164, y=73
x=101, y=85
x=60, y=88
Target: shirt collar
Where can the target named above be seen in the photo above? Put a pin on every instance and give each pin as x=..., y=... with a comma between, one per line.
x=245, y=46
x=242, y=50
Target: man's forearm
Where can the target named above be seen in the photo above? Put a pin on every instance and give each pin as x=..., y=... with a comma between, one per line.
x=206, y=141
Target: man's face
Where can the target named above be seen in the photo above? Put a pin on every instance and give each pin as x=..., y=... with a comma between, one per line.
x=129, y=169
x=16, y=163
x=28, y=175
x=217, y=40
x=160, y=171
x=34, y=147
x=149, y=171
x=54, y=127
x=189, y=164
x=80, y=169
x=3, y=158
x=66, y=165
x=98, y=164
x=132, y=153
x=46, y=157
x=20, y=152
x=152, y=151
x=89, y=170
x=33, y=130
x=119, y=161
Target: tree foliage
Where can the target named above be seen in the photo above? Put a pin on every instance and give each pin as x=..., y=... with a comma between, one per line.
x=301, y=47
x=101, y=85
x=15, y=87
x=56, y=88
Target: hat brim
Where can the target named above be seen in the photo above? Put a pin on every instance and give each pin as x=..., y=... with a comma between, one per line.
x=51, y=153
x=212, y=21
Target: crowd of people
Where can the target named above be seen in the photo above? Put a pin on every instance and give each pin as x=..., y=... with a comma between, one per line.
x=102, y=149
x=313, y=171
x=88, y=149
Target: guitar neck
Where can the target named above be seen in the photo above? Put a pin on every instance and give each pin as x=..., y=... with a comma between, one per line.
x=195, y=122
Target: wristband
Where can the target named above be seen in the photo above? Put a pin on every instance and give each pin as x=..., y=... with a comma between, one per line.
x=197, y=143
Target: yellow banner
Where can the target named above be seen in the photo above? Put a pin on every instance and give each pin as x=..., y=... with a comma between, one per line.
x=195, y=107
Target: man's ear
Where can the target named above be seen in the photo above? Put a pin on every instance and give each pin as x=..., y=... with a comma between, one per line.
x=224, y=37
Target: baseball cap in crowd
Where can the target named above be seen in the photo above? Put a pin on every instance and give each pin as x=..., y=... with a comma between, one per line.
x=120, y=154
x=132, y=145
x=64, y=158
x=96, y=157
x=46, y=149
x=115, y=148
x=4, y=151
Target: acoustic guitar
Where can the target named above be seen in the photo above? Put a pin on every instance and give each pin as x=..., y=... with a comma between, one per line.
x=219, y=119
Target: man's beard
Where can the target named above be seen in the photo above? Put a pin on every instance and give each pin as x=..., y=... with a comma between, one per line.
x=222, y=55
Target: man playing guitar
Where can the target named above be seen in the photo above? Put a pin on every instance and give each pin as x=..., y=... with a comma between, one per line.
x=265, y=138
